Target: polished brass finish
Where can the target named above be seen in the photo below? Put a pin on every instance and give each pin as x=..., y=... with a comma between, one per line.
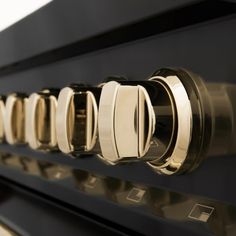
x=126, y=122
x=14, y=120
x=2, y=115
x=76, y=120
x=40, y=120
x=170, y=164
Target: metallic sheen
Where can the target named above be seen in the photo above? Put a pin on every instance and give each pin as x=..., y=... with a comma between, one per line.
x=40, y=120
x=76, y=120
x=126, y=122
x=184, y=125
x=14, y=121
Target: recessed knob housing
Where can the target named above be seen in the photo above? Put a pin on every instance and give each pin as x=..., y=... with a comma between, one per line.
x=41, y=119
x=204, y=123
x=14, y=120
x=171, y=121
x=76, y=119
x=136, y=121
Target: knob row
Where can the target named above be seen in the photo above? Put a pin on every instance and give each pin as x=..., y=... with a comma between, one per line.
x=170, y=121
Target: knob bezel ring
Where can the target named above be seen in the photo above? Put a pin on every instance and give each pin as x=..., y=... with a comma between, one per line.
x=174, y=162
x=172, y=135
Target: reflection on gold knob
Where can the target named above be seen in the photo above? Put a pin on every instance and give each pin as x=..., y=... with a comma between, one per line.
x=76, y=120
x=2, y=115
x=14, y=122
x=40, y=120
x=126, y=122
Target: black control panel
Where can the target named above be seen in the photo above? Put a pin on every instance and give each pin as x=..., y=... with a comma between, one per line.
x=120, y=114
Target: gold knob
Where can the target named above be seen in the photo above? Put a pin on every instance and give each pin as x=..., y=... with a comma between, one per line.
x=76, y=119
x=14, y=122
x=126, y=122
x=40, y=125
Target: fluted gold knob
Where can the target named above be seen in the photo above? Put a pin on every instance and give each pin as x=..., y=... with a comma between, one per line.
x=76, y=119
x=14, y=120
x=126, y=122
x=41, y=117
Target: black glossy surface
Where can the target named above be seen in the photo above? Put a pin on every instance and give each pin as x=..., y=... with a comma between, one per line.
x=28, y=214
x=136, y=202
x=63, y=22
